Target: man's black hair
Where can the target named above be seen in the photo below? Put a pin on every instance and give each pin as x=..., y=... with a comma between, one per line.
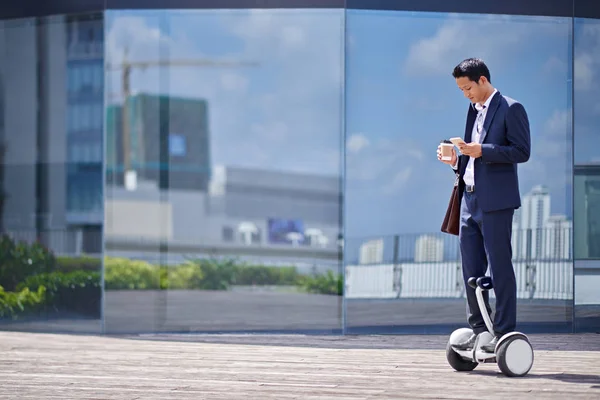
x=472, y=68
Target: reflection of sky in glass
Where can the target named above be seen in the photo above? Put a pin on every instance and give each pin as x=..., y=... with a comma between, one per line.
x=286, y=113
x=402, y=100
x=587, y=101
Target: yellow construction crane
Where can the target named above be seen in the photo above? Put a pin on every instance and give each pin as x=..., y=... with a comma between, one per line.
x=127, y=66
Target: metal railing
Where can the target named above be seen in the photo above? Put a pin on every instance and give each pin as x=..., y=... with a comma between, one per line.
x=429, y=266
x=393, y=267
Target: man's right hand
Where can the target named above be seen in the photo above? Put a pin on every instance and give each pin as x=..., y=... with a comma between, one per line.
x=451, y=162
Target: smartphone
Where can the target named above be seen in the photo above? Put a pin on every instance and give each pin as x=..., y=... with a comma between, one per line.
x=456, y=141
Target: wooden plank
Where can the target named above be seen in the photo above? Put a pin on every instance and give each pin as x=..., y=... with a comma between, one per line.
x=47, y=366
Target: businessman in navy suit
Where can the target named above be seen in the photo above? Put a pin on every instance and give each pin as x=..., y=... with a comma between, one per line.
x=497, y=138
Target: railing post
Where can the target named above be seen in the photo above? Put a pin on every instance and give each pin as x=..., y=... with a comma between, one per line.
x=530, y=272
x=397, y=267
x=460, y=284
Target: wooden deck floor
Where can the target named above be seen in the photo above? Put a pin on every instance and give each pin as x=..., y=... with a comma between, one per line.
x=46, y=366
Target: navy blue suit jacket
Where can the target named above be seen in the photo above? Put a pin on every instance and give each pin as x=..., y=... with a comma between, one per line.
x=506, y=142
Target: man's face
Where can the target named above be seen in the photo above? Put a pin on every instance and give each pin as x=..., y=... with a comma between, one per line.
x=474, y=91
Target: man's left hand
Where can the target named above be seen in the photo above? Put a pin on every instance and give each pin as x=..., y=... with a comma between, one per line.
x=470, y=149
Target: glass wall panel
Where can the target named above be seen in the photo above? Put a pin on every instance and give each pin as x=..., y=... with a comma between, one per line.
x=223, y=194
x=587, y=174
x=402, y=273
x=51, y=208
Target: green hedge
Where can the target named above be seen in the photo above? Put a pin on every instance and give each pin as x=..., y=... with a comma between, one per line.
x=33, y=280
x=18, y=260
x=212, y=274
x=74, y=292
x=83, y=263
x=323, y=284
x=202, y=274
x=123, y=273
x=25, y=301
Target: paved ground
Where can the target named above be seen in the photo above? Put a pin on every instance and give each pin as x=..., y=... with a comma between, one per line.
x=38, y=366
x=206, y=311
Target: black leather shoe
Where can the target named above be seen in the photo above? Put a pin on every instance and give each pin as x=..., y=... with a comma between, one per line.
x=467, y=345
x=491, y=346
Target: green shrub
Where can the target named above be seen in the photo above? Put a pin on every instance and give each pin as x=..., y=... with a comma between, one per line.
x=327, y=283
x=18, y=260
x=164, y=278
x=74, y=292
x=185, y=276
x=265, y=275
x=14, y=304
x=83, y=263
x=211, y=274
x=216, y=274
x=123, y=273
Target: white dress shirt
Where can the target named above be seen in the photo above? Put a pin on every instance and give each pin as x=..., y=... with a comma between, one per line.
x=469, y=176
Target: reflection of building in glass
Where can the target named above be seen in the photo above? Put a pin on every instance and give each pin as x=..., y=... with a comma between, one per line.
x=169, y=142
x=244, y=207
x=52, y=164
x=538, y=234
x=28, y=107
x=371, y=252
x=557, y=237
x=429, y=248
x=535, y=211
x=587, y=211
x=85, y=112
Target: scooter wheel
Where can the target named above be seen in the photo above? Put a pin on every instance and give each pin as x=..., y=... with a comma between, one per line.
x=456, y=361
x=515, y=356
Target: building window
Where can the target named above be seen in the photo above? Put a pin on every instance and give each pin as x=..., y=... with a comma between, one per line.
x=227, y=234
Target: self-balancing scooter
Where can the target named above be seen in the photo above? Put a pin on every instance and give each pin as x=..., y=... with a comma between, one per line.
x=513, y=353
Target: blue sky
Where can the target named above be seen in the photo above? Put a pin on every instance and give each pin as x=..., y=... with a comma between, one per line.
x=287, y=113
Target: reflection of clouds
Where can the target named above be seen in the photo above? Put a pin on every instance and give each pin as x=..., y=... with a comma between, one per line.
x=399, y=180
x=494, y=38
x=587, y=54
x=142, y=37
x=555, y=66
x=554, y=139
x=550, y=162
x=388, y=164
x=584, y=72
x=587, y=102
x=357, y=142
x=284, y=113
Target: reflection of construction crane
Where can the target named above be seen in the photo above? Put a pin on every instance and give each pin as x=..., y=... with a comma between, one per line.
x=126, y=67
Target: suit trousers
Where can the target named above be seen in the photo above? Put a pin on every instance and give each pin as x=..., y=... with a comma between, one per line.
x=485, y=240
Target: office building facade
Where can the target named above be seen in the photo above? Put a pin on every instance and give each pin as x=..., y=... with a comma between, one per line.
x=268, y=167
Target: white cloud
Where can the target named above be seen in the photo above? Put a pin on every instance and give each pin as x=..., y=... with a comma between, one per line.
x=270, y=132
x=137, y=36
x=587, y=56
x=234, y=82
x=385, y=164
x=276, y=114
x=555, y=65
x=418, y=154
x=496, y=39
x=398, y=182
x=550, y=144
x=553, y=139
x=584, y=72
x=357, y=142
